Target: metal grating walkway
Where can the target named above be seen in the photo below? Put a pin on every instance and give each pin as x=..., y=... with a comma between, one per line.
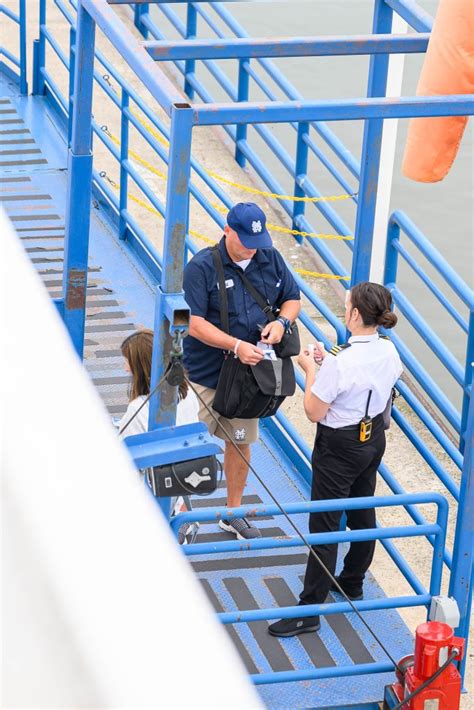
x=32, y=190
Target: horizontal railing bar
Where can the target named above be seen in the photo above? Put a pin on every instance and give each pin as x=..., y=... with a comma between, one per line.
x=314, y=506
x=328, y=538
x=326, y=609
x=9, y=13
x=242, y=48
x=152, y=77
x=413, y=14
x=11, y=57
x=337, y=110
x=322, y=673
x=429, y=283
x=428, y=335
x=435, y=258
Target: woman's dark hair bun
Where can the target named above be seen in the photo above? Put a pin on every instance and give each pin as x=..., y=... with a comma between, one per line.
x=388, y=319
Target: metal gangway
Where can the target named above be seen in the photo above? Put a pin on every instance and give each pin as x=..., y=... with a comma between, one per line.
x=107, y=258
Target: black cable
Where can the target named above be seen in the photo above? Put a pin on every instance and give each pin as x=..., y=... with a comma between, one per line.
x=427, y=682
x=300, y=535
x=155, y=389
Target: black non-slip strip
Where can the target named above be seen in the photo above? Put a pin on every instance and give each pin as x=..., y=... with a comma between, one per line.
x=23, y=198
x=26, y=237
x=5, y=101
x=36, y=250
x=15, y=179
x=218, y=608
x=222, y=536
x=17, y=141
x=7, y=110
x=246, y=562
x=270, y=646
x=9, y=163
x=118, y=327
x=117, y=408
x=347, y=636
x=60, y=271
x=20, y=151
x=52, y=282
x=220, y=502
x=14, y=132
x=118, y=380
x=312, y=643
x=108, y=353
x=46, y=260
x=32, y=218
x=104, y=315
x=54, y=227
x=4, y=121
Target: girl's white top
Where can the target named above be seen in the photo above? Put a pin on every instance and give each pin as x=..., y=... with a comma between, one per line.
x=187, y=413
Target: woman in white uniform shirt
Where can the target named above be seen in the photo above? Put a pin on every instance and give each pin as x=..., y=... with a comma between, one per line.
x=355, y=381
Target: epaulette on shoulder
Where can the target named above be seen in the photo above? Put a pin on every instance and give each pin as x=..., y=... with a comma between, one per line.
x=384, y=337
x=339, y=348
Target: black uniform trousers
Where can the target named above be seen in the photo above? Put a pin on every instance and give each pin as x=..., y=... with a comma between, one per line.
x=343, y=467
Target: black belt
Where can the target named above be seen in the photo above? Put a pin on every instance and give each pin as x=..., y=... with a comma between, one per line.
x=351, y=427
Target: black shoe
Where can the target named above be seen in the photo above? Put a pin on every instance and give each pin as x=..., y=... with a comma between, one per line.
x=293, y=627
x=241, y=528
x=353, y=595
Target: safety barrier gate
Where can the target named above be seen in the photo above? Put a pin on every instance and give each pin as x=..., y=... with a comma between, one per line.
x=173, y=146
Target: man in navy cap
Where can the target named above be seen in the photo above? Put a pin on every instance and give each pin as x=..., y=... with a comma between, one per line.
x=247, y=246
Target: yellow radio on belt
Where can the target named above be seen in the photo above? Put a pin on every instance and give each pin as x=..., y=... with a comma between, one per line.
x=365, y=429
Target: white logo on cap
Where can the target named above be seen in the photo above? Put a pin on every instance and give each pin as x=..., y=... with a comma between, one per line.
x=256, y=226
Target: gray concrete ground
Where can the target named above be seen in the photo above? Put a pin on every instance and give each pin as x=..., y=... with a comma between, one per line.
x=212, y=149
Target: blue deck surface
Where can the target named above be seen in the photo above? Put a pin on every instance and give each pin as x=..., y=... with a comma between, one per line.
x=120, y=298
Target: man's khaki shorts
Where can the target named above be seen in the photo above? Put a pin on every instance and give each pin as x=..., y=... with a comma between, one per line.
x=242, y=431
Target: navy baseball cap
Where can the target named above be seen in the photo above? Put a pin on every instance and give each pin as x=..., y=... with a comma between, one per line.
x=250, y=223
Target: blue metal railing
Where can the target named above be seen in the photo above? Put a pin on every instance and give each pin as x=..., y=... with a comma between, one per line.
x=130, y=229
x=399, y=223
x=235, y=119
x=297, y=169
x=421, y=596
x=20, y=61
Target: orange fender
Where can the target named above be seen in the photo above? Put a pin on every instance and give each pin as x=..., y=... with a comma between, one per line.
x=432, y=143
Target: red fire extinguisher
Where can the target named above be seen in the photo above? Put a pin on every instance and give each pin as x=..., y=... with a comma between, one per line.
x=428, y=680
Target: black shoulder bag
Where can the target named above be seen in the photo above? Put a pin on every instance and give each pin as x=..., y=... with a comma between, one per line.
x=289, y=345
x=245, y=391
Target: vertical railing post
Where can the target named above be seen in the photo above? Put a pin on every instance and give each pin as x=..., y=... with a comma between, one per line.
x=72, y=64
x=23, y=55
x=139, y=12
x=460, y=585
x=163, y=403
x=301, y=169
x=124, y=130
x=370, y=162
x=39, y=53
x=78, y=199
x=190, y=64
x=467, y=393
x=242, y=95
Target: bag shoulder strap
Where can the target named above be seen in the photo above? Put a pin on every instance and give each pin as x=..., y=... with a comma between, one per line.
x=257, y=297
x=223, y=302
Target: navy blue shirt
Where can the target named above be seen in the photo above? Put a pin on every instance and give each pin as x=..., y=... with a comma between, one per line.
x=268, y=273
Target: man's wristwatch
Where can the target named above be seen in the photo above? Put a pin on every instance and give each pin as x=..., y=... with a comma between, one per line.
x=285, y=323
